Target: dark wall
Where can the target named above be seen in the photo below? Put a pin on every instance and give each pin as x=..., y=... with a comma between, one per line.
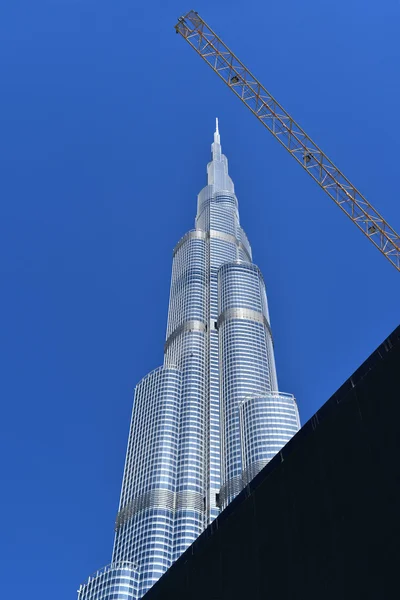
x=322, y=519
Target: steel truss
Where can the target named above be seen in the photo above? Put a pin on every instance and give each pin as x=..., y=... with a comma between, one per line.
x=271, y=114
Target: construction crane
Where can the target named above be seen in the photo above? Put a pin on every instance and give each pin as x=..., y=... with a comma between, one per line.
x=271, y=114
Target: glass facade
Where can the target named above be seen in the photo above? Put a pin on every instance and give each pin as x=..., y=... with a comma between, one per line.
x=118, y=581
x=266, y=424
x=211, y=417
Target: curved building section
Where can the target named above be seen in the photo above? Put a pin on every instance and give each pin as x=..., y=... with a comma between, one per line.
x=188, y=350
x=244, y=335
x=188, y=282
x=145, y=522
x=267, y=423
x=117, y=581
x=185, y=347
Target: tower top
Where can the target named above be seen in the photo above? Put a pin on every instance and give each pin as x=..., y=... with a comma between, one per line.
x=217, y=169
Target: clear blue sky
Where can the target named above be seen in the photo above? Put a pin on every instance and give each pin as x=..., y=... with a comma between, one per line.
x=106, y=121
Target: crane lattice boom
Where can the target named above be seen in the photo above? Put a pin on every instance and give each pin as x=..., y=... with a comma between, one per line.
x=271, y=114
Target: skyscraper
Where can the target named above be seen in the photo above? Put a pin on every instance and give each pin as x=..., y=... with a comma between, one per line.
x=211, y=417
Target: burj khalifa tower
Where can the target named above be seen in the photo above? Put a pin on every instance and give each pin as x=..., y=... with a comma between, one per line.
x=211, y=417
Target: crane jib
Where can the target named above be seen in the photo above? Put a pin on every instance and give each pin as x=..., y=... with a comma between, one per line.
x=274, y=117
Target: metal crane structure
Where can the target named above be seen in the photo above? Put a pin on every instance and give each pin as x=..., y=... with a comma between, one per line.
x=271, y=114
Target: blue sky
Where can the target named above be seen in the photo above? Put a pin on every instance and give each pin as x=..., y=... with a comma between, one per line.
x=106, y=121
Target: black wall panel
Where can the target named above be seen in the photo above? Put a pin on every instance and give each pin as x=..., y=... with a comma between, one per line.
x=322, y=520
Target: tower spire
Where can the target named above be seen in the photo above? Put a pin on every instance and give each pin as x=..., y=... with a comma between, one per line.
x=217, y=169
x=217, y=138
